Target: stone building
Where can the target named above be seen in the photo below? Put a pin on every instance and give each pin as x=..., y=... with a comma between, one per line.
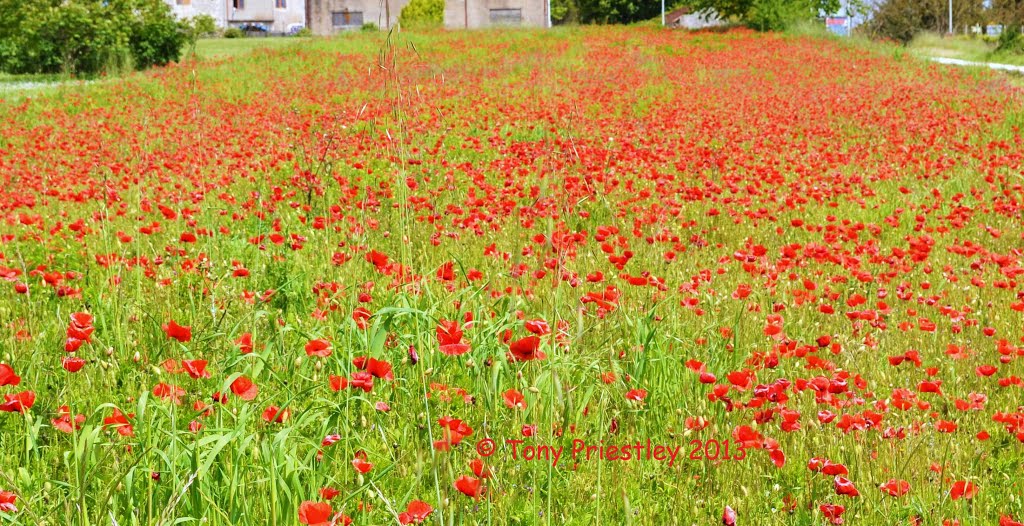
x=274, y=16
x=686, y=18
x=472, y=14
x=326, y=17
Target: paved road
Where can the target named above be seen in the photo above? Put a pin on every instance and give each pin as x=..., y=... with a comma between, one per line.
x=958, y=62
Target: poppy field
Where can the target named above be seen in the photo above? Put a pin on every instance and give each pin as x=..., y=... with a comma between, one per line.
x=586, y=276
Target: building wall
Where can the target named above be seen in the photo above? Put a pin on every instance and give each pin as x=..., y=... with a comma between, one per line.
x=699, y=20
x=214, y=8
x=264, y=12
x=320, y=14
x=491, y=13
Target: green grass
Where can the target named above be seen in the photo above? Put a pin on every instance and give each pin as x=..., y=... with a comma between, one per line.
x=802, y=171
x=221, y=48
x=961, y=47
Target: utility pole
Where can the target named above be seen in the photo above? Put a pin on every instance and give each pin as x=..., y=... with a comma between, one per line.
x=662, y=13
x=950, y=17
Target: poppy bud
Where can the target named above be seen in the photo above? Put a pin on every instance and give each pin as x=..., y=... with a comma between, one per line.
x=413, y=357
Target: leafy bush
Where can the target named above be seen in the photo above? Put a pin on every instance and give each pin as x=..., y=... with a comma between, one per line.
x=1010, y=40
x=234, y=32
x=777, y=15
x=156, y=37
x=202, y=26
x=769, y=15
x=902, y=20
x=87, y=37
x=422, y=14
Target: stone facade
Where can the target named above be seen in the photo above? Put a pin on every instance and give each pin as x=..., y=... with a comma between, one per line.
x=473, y=14
x=327, y=17
x=276, y=16
x=684, y=18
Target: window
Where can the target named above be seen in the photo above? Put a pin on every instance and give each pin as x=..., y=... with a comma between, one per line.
x=238, y=4
x=281, y=4
x=346, y=19
x=183, y=2
x=506, y=17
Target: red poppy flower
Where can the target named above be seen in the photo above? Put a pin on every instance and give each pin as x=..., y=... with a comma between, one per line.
x=636, y=395
x=120, y=422
x=895, y=487
x=729, y=517
x=833, y=512
x=538, y=327
x=244, y=343
x=178, y=332
x=843, y=486
x=963, y=489
x=362, y=317
x=18, y=402
x=315, y=513
x=378, y=368
x=7, y=376
x=72, y=344
x=361, y=464
x=415, y=512
x=275, y=414
x=469, y=486
x=81, y=327
x=362, y=380
x=64, y=423
x=71, y=364
x=337, y=383
x=449, y=338
x=7, y=499
x=319, y=347
x=834, y=468
x=454, y=430
x=244, y=388
x=514, y=399
x=195, y=368
x=479, y=468
x=172, y=393
x=525, y=349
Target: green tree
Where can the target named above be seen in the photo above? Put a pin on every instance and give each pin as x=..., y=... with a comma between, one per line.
x=617, y=11
x=86, y=37
x=769, y=15
x=1007, y=12
x=420, y=14
x=565, y=12
x=901, y=20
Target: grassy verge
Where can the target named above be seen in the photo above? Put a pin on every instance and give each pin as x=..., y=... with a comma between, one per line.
x=963, y=48
x=221, y=48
